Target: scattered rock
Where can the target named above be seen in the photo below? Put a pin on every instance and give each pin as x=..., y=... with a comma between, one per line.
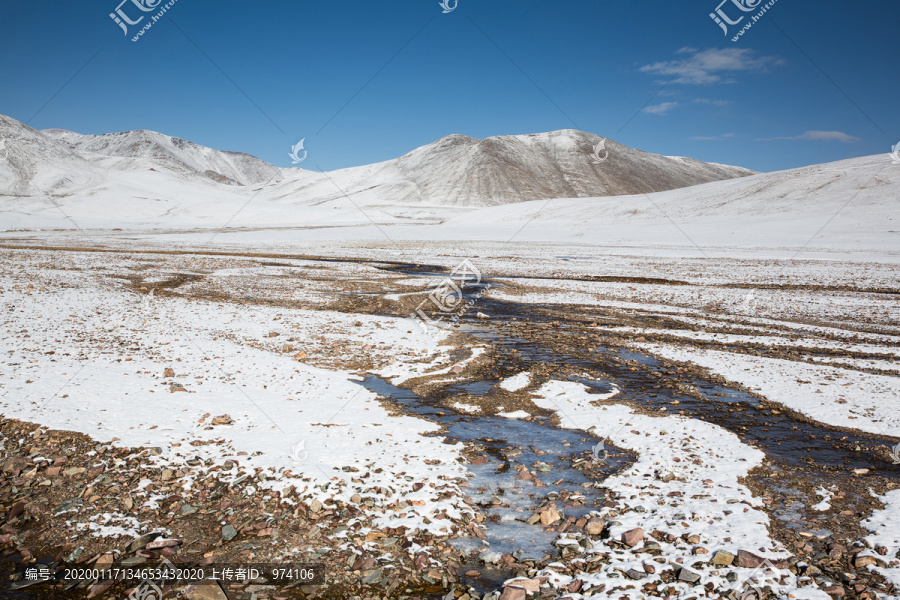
x=594, y=527
x=229, y=533
x=222, y=420
x=722, y=558
x=633, y=537
x=512, y=592
x=550, y=515
x=748, y=559
x=141, y=542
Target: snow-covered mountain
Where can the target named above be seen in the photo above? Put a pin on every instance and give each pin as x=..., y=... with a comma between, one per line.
x=32, y=164
x=455, y=171
x=462, y=171
x=176, y=155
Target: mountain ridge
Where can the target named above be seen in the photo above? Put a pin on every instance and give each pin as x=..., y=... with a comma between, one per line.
x=456, y=170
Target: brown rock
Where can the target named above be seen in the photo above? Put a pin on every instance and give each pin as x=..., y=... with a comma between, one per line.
x=722, y=558
x=531, y=585
x=633, y=537
x=594, y=527
x=169, y=372
x=835, y=591
x=104, y=561
x=748, y=559
x=222, y=420
x=53, y=471
x=512, y=592
x=155, y=545
x=864, y=561
x=550, y=515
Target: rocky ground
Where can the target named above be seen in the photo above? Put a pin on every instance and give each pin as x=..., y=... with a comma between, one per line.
x=206, y=512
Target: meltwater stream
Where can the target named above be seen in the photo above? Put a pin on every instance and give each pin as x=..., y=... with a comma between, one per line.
x=506, y=502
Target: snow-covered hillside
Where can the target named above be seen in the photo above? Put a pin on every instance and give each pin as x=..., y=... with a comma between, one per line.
x=463, y=171
x=176, y=155
x=454, y=171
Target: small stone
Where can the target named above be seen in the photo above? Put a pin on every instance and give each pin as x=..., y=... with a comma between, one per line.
x=513, y=592
x=722, y=558
x=229, y=533
x=155, y=545
x=372, y=577
x=594, y=527
x=550, y=515
x=169, y=372
x=864, y=561
x=104, y=561
x=316, y=506
x=835, y=590
x=141, y=542
x=748, y=559
x=633, y=537
x=222, y=420
x=688, y=576
x=635, y=574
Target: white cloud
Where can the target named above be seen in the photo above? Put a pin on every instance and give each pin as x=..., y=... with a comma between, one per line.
x=818, y=136
x=660, y=109
x=711, y=66
x=712, y=102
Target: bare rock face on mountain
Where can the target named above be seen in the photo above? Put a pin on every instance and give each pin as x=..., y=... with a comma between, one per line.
x=181, y=157
x=462, y=171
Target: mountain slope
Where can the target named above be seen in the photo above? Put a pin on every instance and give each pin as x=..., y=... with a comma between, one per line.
x=31, y=164
x=853, y=203
x=462, y=171
x=176, y=155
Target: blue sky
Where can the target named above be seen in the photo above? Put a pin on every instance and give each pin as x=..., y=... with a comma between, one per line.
x=369, y=81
